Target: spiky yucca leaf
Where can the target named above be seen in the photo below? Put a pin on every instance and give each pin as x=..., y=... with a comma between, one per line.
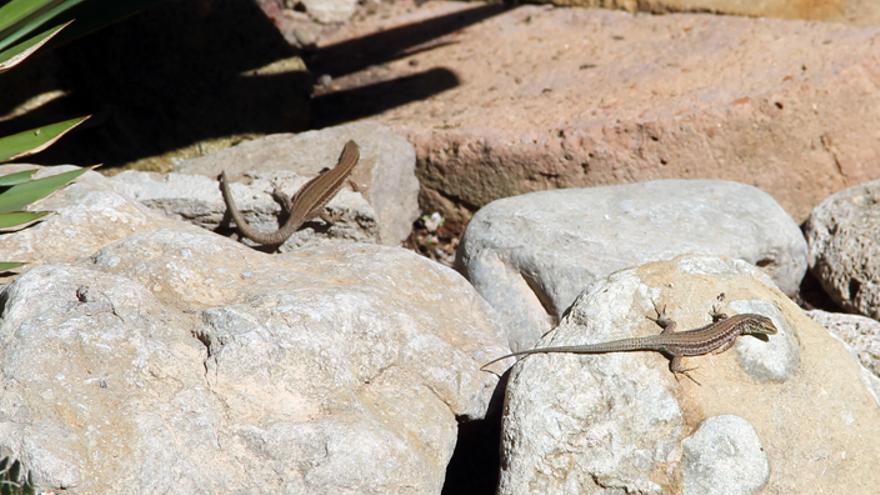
x=35, y=140
x=16, y=177
x=16, y=54
x=19, y=218
x=25, y=193
x=19, y=18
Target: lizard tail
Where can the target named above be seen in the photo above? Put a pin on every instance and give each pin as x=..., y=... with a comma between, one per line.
x=622, y=345
x=567, y=348
x=242, y=226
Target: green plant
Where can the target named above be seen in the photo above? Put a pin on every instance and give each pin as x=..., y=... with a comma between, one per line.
x=20, y=36
x=19, y=19
x=13, y=479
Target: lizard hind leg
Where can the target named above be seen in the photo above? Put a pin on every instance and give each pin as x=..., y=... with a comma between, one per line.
x=677, y=368
x=283, y=200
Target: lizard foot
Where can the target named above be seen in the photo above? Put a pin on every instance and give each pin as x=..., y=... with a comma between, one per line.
x=677, y=368
x=661, y=320
x=688, y=375
x=717, y=315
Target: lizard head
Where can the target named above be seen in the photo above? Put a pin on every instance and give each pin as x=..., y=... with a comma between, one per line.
x=760, y=326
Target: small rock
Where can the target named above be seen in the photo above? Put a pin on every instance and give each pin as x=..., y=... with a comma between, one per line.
x=774, y=360
x=724, y=457
x=329, y=11
x=843, y=235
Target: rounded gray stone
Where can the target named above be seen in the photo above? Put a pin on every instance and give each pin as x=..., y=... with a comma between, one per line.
x=843, y=235
x=724, y=457
x=530, y=255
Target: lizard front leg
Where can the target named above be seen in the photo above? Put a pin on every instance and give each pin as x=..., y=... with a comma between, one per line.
x=717, y=315
x=662, y=320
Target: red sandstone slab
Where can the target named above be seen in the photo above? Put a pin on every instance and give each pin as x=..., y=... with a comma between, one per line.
x=538, y=97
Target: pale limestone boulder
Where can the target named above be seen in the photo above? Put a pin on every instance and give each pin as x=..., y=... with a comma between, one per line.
x=173, y=360
x=104, y=387
x=88, y=214
x=385, y=173
x=843, y=235
x=531, y=255
x=585, y=424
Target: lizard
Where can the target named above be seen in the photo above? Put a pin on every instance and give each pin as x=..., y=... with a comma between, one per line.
x=304, y=205
x=717, y=336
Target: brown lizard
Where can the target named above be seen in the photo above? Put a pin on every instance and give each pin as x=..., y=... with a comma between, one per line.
x=304, y=205
x=717, y=336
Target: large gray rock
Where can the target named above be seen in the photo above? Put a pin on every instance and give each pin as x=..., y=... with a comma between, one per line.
x=385, y=173
x=172, y=360
x=621, y=423
x=530, y=255
x=843, y=234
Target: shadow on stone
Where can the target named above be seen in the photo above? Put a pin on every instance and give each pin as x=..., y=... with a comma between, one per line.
x=370, y=99
x=185, y=77
x=811, y=295
x=377, y=48
x=366, y=93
